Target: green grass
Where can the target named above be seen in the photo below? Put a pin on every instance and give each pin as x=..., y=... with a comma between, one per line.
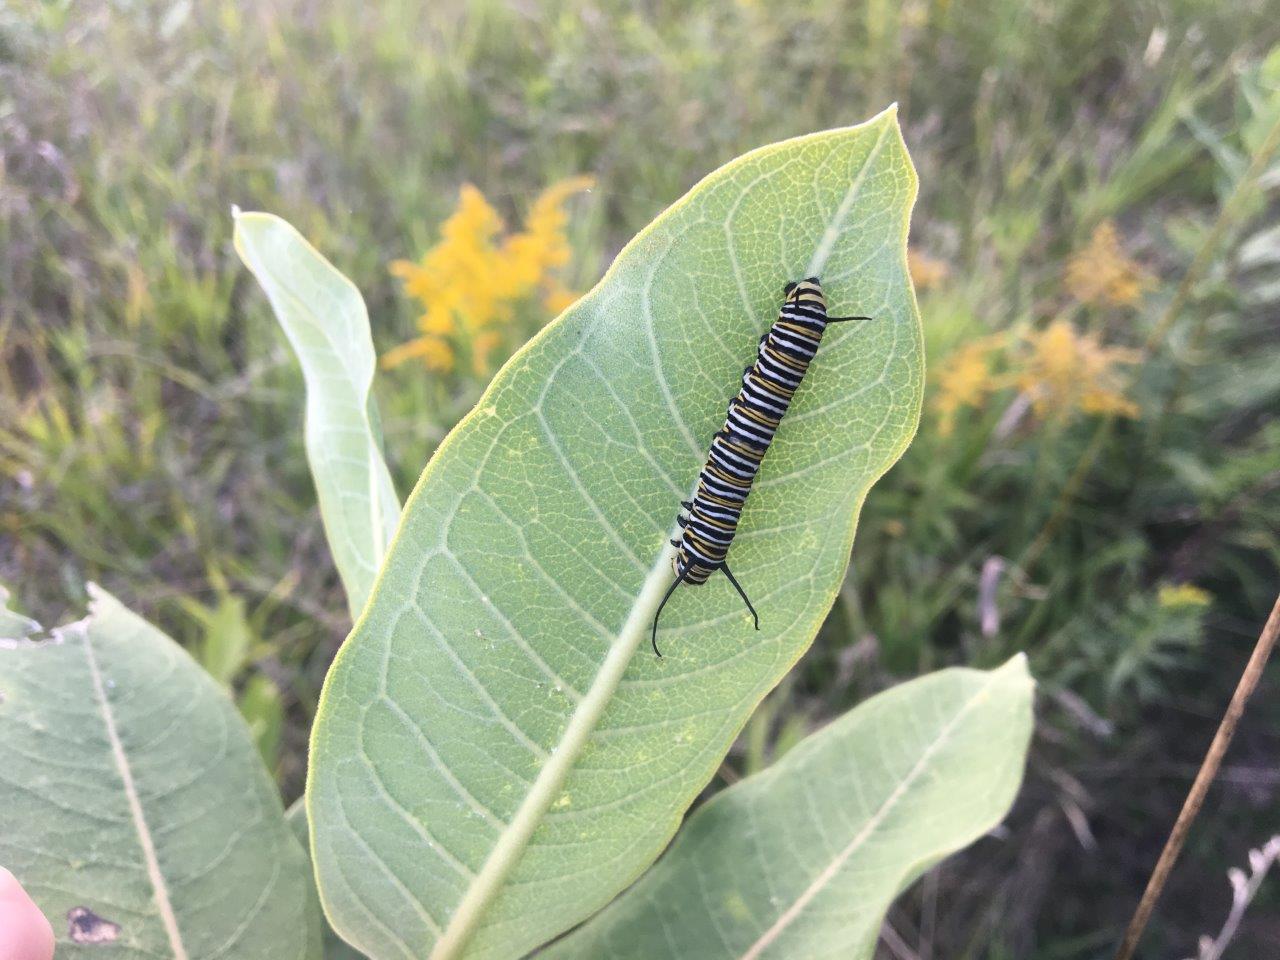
x=150, y=414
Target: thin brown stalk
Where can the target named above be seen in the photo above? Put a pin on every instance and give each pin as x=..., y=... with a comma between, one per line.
x=1208, y=771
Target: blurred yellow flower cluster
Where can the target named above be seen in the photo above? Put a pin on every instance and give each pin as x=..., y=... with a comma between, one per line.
x=471, y=281
x=965, y=380
x=1064, y=369
x=1183, y=595
x=1059, y=368
x=1102, y=275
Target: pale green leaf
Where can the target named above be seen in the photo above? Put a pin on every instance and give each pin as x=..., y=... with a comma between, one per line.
x=804, y=859
x=131, y=790
x=324, y=317
x=491, y=761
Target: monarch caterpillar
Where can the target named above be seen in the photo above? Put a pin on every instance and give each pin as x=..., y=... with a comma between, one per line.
x=752, y=419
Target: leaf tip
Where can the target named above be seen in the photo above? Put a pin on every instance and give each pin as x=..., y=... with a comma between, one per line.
x=1016, y=669
x=888, y=116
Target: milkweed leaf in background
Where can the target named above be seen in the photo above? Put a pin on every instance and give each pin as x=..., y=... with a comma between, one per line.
x=803, y=859
x=137, y=813
x=491, y=761
x=324, y=318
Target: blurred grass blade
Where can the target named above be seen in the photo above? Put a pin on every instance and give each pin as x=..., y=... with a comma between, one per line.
x=334, y=946
x=135, y=806
x=228, y=637
x=489, y=763
x=804, y=859
x=324, y=317
x=264, y=713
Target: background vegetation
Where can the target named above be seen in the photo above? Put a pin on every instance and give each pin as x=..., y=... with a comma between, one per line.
x=1095, y=481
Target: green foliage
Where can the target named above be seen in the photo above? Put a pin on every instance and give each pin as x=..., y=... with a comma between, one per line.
x=802, y=860
x=132, y=790
x=490, y=685
x=228, y=644
x=1121, y=658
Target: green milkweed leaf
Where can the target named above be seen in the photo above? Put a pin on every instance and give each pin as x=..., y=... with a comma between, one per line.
x=324, y=317
x=803, y=859
x=490, y=762
x=136, y=811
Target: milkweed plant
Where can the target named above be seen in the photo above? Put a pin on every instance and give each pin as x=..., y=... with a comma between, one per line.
x=498, y=764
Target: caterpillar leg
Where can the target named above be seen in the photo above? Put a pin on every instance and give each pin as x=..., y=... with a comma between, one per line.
x=653, y=639
x=742, y=593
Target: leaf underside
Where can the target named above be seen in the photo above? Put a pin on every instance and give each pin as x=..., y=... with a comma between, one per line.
x=490, y=764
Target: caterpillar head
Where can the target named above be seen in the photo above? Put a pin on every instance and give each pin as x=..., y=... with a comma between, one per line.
x=809, y=289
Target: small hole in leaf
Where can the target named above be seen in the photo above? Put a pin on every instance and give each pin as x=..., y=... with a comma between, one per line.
x=85, y=926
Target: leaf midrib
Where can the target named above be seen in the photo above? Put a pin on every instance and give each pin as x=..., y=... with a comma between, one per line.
x=506, y=852
x=828, y=873
x=159, y=887
x=376, y=521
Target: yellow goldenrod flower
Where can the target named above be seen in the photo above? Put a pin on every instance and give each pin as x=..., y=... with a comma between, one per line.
x=471, y=282
x=1060, y=369
x=926, y=272
x=1066, y=370
x=1183, y=595
x=434, y=352
x=964, y=380
x=1101, y=273
x=543, y=246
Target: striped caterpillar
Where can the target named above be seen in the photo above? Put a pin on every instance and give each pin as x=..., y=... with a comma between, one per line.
x=711, y=519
